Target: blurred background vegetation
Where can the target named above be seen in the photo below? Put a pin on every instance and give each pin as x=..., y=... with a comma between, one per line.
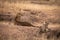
x=54, y=2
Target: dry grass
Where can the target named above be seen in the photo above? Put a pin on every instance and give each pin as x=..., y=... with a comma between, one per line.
x=15, y=32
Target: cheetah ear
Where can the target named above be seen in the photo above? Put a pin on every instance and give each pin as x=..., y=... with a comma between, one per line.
x=19, y=14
